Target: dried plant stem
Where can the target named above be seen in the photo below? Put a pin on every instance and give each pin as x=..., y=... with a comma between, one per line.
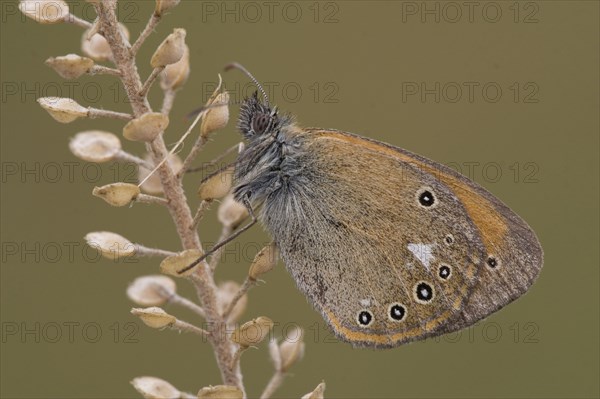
x=131, y=82
x=172, y=188
x=152, y=22
x=148, y=83
x=168, y=101
x=75, y=20
x=198, y=145
x=200, y=212
x=151, y=199
x=104, y=70
x=103, y=113
x=248, y=283
x=124, y=156
x=186, y=303
x=216, y=256
x=237, y=356
x=273, y=385
x=187, y=327
x=141, y=250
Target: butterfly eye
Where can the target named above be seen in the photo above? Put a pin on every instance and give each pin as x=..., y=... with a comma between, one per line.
x=444, y=272
x=426, y=198
x=397, y=312
x=424, y=292
x=449, y=239
x=492, y=262
x=260, y=123
x=364, y=318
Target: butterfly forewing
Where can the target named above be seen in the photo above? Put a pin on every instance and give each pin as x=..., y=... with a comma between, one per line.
x=397, y=247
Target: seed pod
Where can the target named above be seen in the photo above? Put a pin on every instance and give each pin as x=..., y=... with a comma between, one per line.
x=217, y=185
x=95, y=146
x=95, y=45
x=216, y=118
x=172, y=264
x=318, y=393
x=155, y=388
x=264, y=261
x=170, y=50
x=231, y=213
x=154, y=317
x=175, y=75
x=152, y=290
x=146, y=128
x=45, y=11
x=64, y=110
x=291, y=350
x=220, y=392
x=70, y=66
x=163, y=6
x=117, y=194
x=225, y=293
x=252, y=332
x=111, y=245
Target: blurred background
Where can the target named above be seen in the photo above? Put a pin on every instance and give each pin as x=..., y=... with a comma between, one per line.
x=505, y=92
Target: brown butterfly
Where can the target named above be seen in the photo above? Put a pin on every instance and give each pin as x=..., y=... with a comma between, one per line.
x=388, y=246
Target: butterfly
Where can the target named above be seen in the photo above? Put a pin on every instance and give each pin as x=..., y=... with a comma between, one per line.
x=389, y=246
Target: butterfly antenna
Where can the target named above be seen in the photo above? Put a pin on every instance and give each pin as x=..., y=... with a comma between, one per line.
x=235, y=65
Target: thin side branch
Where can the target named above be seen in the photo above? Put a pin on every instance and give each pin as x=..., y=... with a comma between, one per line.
x=186, y=303
x=183, y=326
x=248, y=283
x=103, y=113
x=168, y=101
x=141, y=250
x=124, y=156
x=151, y=199
x=104, y=70
x=200, y=212
x=216, y=256
x=148, y=83
x=152, y=22
x=75, y=20
x=198, y=145
x=273, y=385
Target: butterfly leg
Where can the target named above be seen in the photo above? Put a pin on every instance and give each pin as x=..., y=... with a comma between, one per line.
x=226, y=240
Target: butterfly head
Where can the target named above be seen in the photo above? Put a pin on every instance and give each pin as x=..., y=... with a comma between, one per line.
x=257, y=118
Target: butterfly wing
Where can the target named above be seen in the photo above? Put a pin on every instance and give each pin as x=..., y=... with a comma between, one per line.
x=391, y=247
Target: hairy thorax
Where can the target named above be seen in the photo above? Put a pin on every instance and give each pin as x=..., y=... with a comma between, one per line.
x=270, y=166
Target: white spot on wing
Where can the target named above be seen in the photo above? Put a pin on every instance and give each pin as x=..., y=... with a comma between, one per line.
x=365, y=302
x=423, y=252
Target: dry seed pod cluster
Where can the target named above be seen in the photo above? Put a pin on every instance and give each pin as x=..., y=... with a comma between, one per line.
x=70, y=66
x=264, y=261
x=151, y=290
x=217, y=185
x=45, y=11
x=170, y=50
x=117, y=194
x=155, y=388
x=252, y=332
x=154, y=317
x=63, y=110
x=95, y=146
x=171, y=61
x=146, y=128
x=111, y=245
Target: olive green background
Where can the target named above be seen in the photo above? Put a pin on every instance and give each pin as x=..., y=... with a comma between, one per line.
x=353, y=72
